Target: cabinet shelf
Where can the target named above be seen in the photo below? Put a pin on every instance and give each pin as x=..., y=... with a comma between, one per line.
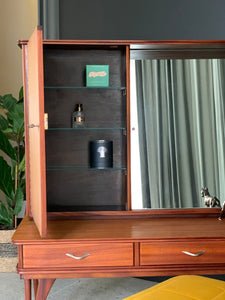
x=87, y=87
x=80, y=168
x=88, y=128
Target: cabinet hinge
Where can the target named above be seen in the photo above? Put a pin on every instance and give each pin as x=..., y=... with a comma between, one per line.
x=124, y=92
x=46, y=121
x=32, y=125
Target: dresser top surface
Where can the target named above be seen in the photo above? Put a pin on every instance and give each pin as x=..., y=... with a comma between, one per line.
x=121, y=229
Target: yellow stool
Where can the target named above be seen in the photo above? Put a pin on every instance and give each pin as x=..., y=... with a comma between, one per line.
x=185, y=287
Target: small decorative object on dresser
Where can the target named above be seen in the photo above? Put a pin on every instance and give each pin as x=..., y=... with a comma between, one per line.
x=208, y=199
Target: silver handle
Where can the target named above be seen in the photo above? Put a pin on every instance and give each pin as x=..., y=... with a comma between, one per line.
x=77, y=257
x=194, y=254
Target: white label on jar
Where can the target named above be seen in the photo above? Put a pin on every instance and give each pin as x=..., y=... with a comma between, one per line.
x=102, y=151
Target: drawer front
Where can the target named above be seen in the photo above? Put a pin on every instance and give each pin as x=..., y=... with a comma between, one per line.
x=158, y=253
x=75, y=255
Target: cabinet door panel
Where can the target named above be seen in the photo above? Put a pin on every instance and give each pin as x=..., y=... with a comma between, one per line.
x=35, y=128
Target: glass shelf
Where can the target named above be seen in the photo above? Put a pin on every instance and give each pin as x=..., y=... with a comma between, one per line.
x=87, y=87
x=89, y=128
x=80, y=168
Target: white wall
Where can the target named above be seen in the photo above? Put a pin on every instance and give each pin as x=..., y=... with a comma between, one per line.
x=18, y=19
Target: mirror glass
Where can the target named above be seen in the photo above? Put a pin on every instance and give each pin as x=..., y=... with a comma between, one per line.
x=177, y=133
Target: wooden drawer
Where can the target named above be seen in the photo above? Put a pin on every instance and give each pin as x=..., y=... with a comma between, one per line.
x=100, y=255
x=166, y=252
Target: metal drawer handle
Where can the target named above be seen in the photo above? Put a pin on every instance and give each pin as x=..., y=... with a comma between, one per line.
x=194, y=254
x=77, y=257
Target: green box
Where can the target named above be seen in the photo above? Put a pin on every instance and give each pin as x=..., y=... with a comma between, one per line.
x=97, y=75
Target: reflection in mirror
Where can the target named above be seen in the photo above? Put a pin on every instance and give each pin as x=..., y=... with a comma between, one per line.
x=177, y=132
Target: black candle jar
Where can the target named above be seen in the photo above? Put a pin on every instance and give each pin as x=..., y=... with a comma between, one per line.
x=101, y=154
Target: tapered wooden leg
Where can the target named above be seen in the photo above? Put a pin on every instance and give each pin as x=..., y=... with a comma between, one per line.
x=35, y=285
x=27, y=289
x=43, y=288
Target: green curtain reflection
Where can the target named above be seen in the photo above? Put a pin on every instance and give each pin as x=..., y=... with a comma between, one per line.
x=181, y=115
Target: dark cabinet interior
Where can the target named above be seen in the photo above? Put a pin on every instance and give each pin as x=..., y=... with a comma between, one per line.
x=71, y=183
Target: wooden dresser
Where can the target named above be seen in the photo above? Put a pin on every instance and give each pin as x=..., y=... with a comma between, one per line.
x=79, y=219
x=119, y=247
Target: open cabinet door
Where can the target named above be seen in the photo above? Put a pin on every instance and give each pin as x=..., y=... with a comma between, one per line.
x=35, y=132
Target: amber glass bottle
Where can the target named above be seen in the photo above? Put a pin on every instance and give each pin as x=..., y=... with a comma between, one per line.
x=78, y=119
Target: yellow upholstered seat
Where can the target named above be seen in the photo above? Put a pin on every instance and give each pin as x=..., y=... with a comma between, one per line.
x=185, y=287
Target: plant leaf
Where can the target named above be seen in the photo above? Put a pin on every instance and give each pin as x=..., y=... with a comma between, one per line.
x=22, y=164
x=8, y=102
x=9, y=201
x=23, y=187
x=6, y=147
x=3, y=123
x=7, y=130
x=10, y=135
x=17, y=124
x=16, y=117
x=6, y=184
x=19, y=197
x=21, y=94
x=19, y=109
x=6, y=216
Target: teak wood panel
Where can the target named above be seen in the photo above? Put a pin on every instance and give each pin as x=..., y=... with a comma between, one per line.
x=35, y=128
x=26, y=114
x=100, y=255
x=133, y=229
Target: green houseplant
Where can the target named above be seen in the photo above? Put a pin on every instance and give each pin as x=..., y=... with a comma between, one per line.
x=12, y=175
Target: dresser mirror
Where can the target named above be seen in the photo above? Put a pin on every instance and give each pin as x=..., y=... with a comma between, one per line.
x=177, y=125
